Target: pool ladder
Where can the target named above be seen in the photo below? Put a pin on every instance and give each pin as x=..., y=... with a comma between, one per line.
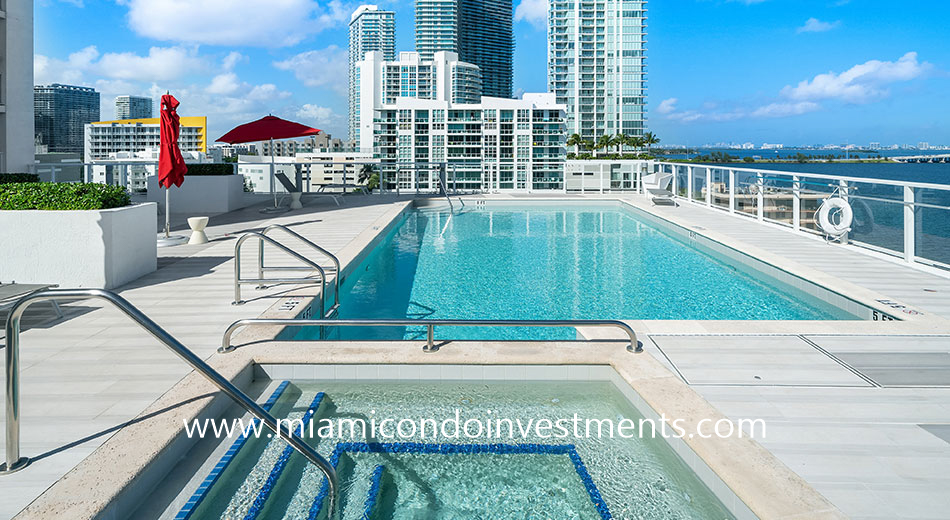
x=309, y=266
x=14, y=462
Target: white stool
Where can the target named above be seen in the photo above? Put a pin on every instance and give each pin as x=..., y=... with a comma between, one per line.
x=197, y=225
x=295, y=200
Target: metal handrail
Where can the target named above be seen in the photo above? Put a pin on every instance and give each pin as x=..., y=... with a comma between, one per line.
x=430, y=346
x=264, y=238
x=315, y=247
x=15, y=462
x=445, y=190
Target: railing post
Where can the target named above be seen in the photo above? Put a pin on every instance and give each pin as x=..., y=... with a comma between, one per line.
x=843, y=192
x=796, y=203
x=732, y=191
x=760, y=196
x=708, y=186
x=910, y=227
x=675, y=185
x=689, y=183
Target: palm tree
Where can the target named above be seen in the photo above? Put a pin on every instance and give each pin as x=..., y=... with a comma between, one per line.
x=635, y=142
x=650, y=139
x=620, y=141
x=576, y=141
x=605, y=142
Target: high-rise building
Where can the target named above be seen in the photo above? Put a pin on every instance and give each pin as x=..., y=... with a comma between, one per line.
x=133, y=107
x=103, y=138
x=370, y=30
x=419, y=115
x=597, y=65
x=16, y=86
x=60, y=114
x=479, y=31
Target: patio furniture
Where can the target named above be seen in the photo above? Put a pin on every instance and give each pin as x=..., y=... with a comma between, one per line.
x=198, y=225
x=656, y=185
x=11, y=292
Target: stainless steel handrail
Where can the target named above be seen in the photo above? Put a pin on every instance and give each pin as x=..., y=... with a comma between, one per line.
x=336, y=262
x=445, y=190
x=264, y=238
x=430, y=346
x=15, y=462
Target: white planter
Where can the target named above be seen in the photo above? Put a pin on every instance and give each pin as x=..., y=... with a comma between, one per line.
x=82, y=248
x=201, y=194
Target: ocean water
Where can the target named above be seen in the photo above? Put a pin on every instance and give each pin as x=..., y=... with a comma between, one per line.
x=549, y=262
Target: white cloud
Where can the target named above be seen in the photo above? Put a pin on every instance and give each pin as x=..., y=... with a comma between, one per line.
x=860, y=84
x=533, y=11
x=667, y=106
x=260, y=23
x=232, y=59
x=320, y=68
x=226, y=83
x=160, y=64
x=785, y=109
x=816, y=25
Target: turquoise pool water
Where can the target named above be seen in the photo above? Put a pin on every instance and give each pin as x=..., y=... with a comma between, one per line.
x=551, y=262
x=444, y=477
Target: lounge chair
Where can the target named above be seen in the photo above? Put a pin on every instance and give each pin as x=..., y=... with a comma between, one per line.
x=656, y=185
x=11, y=292
x=292, y=188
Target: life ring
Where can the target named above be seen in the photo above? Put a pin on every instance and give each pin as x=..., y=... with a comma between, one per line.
x=844, y=212
x=863, y=221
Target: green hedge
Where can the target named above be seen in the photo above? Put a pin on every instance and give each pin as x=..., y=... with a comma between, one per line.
x=210, y=169
x=59, y=196
x=17, y=178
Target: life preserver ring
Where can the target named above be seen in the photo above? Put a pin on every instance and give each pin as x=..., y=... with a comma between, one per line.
x=863, y=221
x=841, y=208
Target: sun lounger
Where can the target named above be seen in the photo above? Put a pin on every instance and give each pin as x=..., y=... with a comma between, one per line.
x=656, y=186
x=11, y=292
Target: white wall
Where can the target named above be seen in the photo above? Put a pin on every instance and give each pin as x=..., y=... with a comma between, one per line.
x=16, y=87
x=201, y=195
x=84, y=248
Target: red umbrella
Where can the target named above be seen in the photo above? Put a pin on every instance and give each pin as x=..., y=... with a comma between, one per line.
x=266, y=128
x=171, y=165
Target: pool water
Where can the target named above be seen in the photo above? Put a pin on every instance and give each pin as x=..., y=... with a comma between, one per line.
x=551, y=262
x=443, y=477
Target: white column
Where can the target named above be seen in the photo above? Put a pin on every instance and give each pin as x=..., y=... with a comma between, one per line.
x=910, y=245
x=796, y=203
x=675, y=185
x=708, y=186
x=844, y=195
x=689, y=183
x=732, y=191
x=759, y=181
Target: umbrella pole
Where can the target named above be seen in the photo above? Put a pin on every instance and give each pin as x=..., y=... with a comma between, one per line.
x=167, y=213
x=273, y=173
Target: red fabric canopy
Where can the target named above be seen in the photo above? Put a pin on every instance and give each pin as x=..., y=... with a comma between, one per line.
x=270, y=127
x=171, y=165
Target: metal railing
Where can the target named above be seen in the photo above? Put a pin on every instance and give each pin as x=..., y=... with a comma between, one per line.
x=445, y=190
x=337, y=270
x=310, y=266
x=14, y=462
x=910, y=220
x=430, y=346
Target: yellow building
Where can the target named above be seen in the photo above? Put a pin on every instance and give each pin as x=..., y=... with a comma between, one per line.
x=136, y=135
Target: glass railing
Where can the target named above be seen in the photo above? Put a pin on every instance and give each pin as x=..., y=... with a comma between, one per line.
x=905, y=219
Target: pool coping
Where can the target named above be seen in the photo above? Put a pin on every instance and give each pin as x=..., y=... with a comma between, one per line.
x=114, y=480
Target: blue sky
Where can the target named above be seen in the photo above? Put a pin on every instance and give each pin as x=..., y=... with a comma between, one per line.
x=790, y=71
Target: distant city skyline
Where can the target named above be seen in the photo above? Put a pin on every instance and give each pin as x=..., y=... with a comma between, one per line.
x=719, y=71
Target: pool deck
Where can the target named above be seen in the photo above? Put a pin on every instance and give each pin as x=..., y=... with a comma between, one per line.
x=862, y=413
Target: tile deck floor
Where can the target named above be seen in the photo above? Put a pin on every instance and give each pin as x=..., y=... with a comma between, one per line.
x=876, y=448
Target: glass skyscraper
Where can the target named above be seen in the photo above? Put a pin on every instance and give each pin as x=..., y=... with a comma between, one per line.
x=479, y=31
x=60, y=114
x=597, y=64
x=370, y=30
x=133, y=107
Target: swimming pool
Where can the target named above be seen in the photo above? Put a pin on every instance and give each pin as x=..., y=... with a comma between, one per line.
x=441, y=476
x=553, y=262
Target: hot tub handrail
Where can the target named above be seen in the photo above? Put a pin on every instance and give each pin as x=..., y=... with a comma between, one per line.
x=312, y=245
x=260, y=279
x=13, y=460
x=430, y=324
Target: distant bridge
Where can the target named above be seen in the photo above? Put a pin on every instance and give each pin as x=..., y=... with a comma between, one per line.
x=944, y=158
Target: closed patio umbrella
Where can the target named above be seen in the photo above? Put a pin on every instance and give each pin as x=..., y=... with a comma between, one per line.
x=171, y=165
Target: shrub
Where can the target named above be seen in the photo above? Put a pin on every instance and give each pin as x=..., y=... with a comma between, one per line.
x=210, y=169
x=54, y=196
x=17, y=178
